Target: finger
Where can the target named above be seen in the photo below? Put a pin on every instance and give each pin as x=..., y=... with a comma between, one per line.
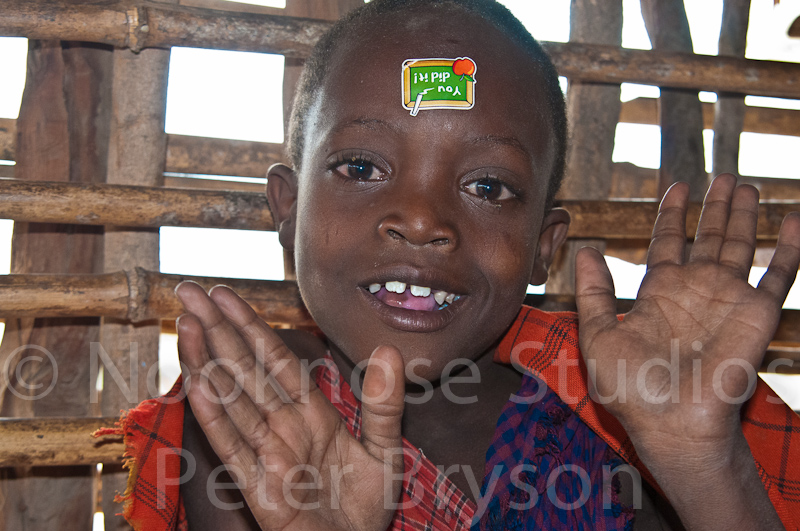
x=739, y=245
x=272, y=361
x=782, y=268
x=382, y=406
x=206, y=399
x=226, y=345
x=714, y=218
x=668, y=242
x=594, y=295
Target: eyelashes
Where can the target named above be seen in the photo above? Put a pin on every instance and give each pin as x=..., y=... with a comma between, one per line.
x=359, y=166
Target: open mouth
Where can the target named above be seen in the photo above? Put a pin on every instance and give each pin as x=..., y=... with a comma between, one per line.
x=401, y=295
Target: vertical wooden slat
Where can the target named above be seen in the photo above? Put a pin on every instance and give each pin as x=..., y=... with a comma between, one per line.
x=137, y=154
x=680, y=112
x=730, y=108
x=593, y=110
x=62, y=135
x=319, y=9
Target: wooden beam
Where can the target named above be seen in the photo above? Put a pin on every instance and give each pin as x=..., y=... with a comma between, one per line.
x=57, y=441
x=132, y=206
x=137, y=295
x=679, y=111
x=730, y=108
x=756, y=119
x=634, y=219
x=123, y=24
x=140, y=206
x=214, y=156
x=634, y=182
x=8, y=138
x=592, y=112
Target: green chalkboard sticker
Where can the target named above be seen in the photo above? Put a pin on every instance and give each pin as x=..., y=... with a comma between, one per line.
x=438, y=84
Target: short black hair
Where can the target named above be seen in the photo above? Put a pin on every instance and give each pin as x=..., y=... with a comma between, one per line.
x=316, y=69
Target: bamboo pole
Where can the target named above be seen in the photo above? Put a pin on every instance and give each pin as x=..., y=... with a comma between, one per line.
x=137, y=295
x=132, y=206
x=57, y=441
x=140, y=206
x=124, y=24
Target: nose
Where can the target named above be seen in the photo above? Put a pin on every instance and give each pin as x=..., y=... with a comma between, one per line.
x=421, y=216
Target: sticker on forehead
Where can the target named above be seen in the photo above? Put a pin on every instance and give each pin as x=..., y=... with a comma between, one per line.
x=438, y=84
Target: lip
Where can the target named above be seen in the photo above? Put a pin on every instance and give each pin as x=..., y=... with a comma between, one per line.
x=413, y=320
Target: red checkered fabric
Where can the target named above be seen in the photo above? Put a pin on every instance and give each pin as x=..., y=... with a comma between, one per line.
x=546, y=343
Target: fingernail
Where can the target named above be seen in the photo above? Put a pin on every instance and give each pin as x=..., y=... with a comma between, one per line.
x=219, y=286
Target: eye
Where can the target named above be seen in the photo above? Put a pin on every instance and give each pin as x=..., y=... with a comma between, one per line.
x=490, y=189
x=358, y=169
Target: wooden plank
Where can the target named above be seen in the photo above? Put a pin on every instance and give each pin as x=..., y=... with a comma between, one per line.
x=137, y=295
x=109, y=22
x=214, y=156
x=631, y=220
x=63, y=133
x=679, y=110
x=137, y=151
x=57, y=441
x=8, y=138
x=592, y=111
x=132, y=206
x=140, y=206
x=756, y=119
x=633, y=182
x=730, y=108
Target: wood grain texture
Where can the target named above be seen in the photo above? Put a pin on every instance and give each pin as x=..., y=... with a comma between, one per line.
x=57, y=442
x=730, y=108
x=680, y=113
x=137, y=295
x=121, y=24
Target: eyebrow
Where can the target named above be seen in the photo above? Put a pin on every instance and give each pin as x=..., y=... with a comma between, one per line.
x=509, y=141
x=372, y=124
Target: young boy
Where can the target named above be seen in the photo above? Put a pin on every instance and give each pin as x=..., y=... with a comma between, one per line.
x=416, y=227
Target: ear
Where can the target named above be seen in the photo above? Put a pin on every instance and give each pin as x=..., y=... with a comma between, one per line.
x=282, y=199
x=553, y=234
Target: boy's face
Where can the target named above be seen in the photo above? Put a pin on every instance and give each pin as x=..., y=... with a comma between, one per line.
x=451, y=200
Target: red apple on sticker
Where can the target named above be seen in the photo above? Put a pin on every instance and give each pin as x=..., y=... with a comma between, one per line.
x=464, y=67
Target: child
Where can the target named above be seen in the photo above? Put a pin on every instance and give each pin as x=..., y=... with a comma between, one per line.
x=416, y=228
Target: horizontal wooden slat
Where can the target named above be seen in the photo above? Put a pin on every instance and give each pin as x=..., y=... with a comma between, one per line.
x=213, y=156
x=763, y=120
x=133, y=206
x=150, y=24
x=137, y=295
x=137, y=206
x=631, y=182
x=57, y=441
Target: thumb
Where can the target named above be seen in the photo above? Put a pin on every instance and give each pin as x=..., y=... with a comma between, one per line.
x=594, y=294
x=382, y=398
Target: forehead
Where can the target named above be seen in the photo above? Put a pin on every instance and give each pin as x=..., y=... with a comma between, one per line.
x=363, y=82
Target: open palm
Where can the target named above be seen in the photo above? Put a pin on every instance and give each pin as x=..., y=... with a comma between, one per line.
x=292, y=457
x=698, y=331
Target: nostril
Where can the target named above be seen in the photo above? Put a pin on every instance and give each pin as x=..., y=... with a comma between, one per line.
x=394, y=234
x=441, y=241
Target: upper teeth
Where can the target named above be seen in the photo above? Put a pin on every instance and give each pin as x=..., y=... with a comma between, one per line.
x=418, y=291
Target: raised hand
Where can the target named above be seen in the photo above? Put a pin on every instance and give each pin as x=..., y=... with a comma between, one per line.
x=693, y=340
x=275, y=436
